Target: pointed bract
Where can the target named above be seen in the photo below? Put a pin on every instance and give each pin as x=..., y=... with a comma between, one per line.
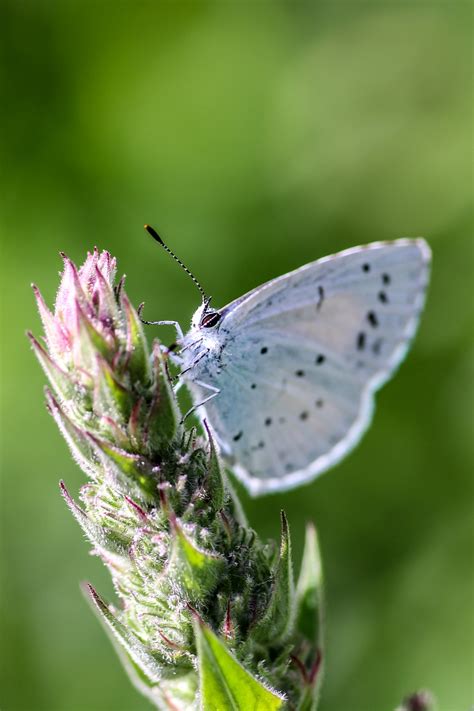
x=70, y=292
x=111, y=398
x=278, y=620
x=59, y=379
x=107, y=309
x=215, y=481
x=128, y=471
x=97, y=535
x=196, y=571
x=79, y=441
x=139, y=358
x=120, y=634
x=88, y=342
x=57, y=336
x=163, y=417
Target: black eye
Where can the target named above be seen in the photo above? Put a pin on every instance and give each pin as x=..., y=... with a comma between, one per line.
x=210, y=319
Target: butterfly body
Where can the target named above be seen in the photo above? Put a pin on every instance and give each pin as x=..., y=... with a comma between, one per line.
x=288, y=371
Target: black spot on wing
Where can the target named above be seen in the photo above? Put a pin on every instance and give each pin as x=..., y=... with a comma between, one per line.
x=366, y=267
x=372, y=319
x=237, y=436
x=263, y=350
x=253, y=386
x=299, y=373
x=320, y=358
x=320, y=297
x=383, y=298
x=268, y=422
x=304, y=415
x=386, y=278
x=319, y=403
x=361, y=339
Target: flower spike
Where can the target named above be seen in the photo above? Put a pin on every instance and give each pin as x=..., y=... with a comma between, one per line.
x=208, y=618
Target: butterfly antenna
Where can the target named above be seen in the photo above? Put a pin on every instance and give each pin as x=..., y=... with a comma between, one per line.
x=156, y=236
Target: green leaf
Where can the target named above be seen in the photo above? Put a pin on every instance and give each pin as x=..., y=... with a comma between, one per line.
x=224, y=683
x=309, y=619
x=309, y=591
x=195, y=570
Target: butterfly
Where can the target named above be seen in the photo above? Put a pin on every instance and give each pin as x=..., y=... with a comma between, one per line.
x=285, y=375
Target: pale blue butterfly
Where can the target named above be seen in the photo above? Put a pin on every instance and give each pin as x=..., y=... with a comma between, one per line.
x=285, y=375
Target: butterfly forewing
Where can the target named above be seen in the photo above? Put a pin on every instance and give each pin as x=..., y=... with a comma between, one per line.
x=303, y=355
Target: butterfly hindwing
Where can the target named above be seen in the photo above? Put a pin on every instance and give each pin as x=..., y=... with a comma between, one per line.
x=303, y=355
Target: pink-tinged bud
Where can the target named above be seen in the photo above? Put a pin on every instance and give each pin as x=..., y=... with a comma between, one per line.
x=107, y=265
x=103, y=295
x=85, y=303
x=86, y=271
x=70, y=291
x=57, y=336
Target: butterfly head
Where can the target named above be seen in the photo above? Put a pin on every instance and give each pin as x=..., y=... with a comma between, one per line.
x=205, y=318
x=202, y=342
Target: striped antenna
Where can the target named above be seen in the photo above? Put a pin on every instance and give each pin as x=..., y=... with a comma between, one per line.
x=156, y=236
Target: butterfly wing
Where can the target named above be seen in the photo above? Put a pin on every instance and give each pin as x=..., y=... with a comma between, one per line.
x=303, y=356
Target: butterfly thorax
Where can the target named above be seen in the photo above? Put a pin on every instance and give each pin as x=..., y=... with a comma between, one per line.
x=202, y=348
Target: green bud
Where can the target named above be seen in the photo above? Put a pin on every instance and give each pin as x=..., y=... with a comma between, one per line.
x=209, y=616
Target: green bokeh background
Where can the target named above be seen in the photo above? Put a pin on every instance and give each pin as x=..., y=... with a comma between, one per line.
x=255, y=137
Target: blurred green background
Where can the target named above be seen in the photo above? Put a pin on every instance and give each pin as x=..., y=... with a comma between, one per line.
x=255, y=137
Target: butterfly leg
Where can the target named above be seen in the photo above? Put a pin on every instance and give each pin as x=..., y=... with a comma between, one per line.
x=215, y=391
x=175, y=324
x=199, y=357
x=177, y=381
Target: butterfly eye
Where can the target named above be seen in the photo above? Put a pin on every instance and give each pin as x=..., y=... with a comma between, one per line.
x=210, y=320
